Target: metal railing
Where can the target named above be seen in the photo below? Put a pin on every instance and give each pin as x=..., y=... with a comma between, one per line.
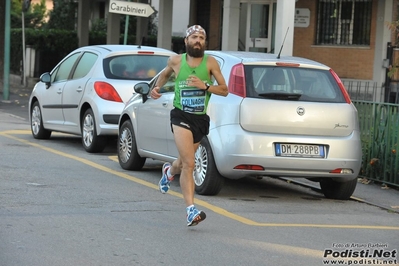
x=364, y=90
x=379, y=129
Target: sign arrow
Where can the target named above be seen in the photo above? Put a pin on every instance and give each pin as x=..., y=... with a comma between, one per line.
x=130, y=8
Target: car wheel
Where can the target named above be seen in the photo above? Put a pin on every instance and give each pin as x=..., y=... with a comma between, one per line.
x=91, y=142
x=338, y=190
x=207, y=178
x=128, y=157
x=36, y=123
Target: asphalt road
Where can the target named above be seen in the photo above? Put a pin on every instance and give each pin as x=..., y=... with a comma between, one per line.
x=62, y=206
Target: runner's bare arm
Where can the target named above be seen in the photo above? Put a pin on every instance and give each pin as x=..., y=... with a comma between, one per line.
x=163, y=78
x=221, y=87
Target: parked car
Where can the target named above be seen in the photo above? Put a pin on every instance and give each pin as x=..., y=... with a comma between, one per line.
x=283, y=117
x=86, y=92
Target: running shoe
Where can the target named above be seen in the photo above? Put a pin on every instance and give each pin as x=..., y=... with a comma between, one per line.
x=195, y=216
x=164, y=183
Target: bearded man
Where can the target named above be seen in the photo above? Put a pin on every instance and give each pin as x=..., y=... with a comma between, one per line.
x=194, y=72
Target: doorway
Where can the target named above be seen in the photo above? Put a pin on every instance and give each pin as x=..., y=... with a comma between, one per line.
x=260, y=27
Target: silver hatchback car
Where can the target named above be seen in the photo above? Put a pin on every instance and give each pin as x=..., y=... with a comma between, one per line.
x=85, y=93
x=283, y=117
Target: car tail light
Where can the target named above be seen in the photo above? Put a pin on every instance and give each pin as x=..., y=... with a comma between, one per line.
x=237, y=81
x=249, y=167
x=106, y=91
x=287, y=64
x=342, y=171
x=145, y=52
x=341, y=86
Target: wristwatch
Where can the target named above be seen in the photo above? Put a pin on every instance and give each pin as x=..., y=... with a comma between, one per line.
x=207, y=85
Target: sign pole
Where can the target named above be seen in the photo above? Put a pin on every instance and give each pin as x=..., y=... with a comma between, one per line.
x=25, y=8
x=129, y=9
x=23, y=51
x=6, y=77
x=126, y=28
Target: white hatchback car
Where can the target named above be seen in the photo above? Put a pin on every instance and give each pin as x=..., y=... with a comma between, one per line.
x=85, y=93
x=283, y=117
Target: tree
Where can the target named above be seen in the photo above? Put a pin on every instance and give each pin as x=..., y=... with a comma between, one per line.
x=63, y=15
x=34, y=17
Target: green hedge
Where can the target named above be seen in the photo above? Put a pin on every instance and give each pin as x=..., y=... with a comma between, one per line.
x=53, y=45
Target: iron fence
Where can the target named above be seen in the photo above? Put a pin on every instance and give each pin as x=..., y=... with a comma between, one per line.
x=364, y=90
x=379, y=129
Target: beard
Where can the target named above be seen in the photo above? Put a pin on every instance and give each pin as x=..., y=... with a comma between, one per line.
x=195, y=52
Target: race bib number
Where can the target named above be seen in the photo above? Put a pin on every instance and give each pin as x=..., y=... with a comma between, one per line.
x=193, y=101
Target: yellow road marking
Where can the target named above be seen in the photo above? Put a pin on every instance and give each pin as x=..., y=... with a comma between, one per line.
x=199, y=202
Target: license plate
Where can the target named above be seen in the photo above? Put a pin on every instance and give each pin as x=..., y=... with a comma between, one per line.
x=299, y=150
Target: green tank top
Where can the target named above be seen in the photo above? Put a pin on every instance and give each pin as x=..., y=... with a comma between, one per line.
x=191, y=99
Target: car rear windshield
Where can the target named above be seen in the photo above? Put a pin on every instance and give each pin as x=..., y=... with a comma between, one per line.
x=134, y=67
x=292, y=83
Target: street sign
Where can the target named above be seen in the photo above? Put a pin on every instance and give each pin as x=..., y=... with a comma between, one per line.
x=130, y=8
x=25, y=5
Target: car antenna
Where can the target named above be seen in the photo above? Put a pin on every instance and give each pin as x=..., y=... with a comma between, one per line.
x=141, y=40
x=278, y=56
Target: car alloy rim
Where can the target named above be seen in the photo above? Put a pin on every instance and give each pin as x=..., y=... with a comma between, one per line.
x=36, y=118
x=125, y=145
x=201, y=165
x=88, y=130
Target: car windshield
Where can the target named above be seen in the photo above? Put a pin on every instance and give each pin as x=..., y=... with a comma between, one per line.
x=292, y=83
x=134, y=67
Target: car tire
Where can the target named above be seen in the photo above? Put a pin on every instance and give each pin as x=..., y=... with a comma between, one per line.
x=128, y=157
x=92, y=143
x=36, y=123
x=338, y=190
x=207, y=179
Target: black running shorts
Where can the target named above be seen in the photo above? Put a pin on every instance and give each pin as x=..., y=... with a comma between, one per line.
x=197, y=124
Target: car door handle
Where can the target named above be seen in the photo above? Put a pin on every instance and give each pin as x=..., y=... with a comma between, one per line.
x=59, y=91
x=165, y=104
x=79, y=89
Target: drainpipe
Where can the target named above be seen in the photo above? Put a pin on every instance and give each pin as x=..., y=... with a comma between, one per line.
x=387, y=78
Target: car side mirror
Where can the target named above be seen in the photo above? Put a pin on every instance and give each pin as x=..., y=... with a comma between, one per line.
x=46, y=78
x=142, y=88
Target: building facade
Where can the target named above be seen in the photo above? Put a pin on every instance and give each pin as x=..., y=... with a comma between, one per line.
x=351, y=36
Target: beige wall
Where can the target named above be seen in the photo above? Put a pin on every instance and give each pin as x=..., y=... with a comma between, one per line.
x=49, y=3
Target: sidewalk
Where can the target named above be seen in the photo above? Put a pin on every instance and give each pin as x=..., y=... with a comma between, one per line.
x=18, y=96
x=377, y=194
x=16, y=89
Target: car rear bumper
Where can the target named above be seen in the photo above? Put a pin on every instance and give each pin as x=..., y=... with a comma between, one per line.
x=111, y=119
x=232, y=146
x=108, y=124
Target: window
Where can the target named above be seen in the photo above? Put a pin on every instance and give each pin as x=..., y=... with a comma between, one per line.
x=309, y=85
x=64, y=69
x=168, y=87
x=343, y=22
x=85, y=64
x=134, y=66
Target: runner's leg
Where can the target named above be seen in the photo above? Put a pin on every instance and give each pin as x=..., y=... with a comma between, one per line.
x=186, y=149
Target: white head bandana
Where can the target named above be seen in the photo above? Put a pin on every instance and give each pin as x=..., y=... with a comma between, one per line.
x=195, y=29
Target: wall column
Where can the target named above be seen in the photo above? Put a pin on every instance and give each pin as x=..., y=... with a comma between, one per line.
x=164, y=38
x=231, y=19
x=285, y=17
x=113, y=26
x=382, y=37
x=83, y=22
